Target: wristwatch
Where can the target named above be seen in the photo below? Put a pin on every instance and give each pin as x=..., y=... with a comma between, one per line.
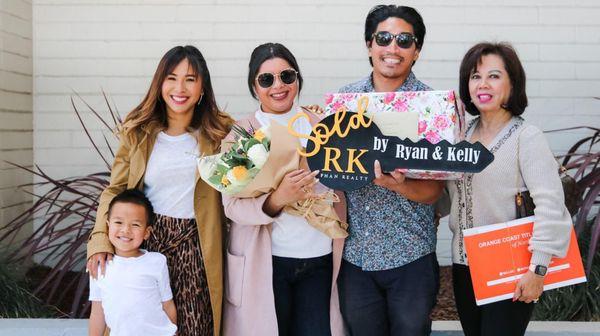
x=538, y=269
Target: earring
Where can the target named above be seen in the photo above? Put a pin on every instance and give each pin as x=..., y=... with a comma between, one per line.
x=504, y=106
x=200, y=100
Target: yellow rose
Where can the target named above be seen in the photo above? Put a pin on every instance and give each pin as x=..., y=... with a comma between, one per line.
x=238, y=175
x=259, y=135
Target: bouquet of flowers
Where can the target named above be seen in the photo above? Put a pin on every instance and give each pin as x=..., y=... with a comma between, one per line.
x=231, y=171
x=253, y=162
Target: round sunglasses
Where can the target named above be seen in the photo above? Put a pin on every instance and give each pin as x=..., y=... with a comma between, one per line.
x=403, y=40
x=267, y=79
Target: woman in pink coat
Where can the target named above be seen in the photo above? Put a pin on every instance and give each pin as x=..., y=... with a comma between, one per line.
x=280, y=271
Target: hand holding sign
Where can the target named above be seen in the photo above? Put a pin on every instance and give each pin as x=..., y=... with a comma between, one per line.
x=388, y=181
x=529, y=288
x=344, y=146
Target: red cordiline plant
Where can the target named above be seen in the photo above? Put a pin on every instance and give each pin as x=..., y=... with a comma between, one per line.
x=582, y=162
x=65, y=213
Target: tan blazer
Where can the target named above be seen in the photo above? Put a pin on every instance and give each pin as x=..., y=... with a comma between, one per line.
x=128, y=172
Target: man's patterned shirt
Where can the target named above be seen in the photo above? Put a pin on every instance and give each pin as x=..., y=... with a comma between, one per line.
x=386, y=230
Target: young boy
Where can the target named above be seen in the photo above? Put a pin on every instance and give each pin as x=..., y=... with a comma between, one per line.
x=134, y=297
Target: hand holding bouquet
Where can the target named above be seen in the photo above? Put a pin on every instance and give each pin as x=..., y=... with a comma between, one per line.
x=254, y=162
x=244, y=169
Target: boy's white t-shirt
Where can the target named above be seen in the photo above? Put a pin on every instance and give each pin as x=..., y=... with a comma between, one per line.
x=132, y=292
x=292, y=236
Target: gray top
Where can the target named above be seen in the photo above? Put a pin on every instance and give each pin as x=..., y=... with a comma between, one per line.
x=386, y=230
x=489, y=197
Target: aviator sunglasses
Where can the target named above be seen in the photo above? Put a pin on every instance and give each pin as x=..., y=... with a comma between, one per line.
x=266, y=79
x=404, y=40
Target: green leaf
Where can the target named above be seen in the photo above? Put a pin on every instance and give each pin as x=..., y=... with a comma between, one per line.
x=250, y=143
x=221, y=170
x=237, y=156
x=240, y=131
x=215, y=180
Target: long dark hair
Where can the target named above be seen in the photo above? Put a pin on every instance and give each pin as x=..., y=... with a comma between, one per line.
x=266, y=52
x=152, y=111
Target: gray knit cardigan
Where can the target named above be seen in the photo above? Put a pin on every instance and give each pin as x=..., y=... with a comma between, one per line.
x=489, y=197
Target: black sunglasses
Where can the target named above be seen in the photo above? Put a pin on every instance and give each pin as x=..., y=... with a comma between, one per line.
x=404, y=40
x=266, y=79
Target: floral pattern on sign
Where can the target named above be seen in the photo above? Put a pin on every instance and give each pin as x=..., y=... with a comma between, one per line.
x=439, y=118
x=438, y=115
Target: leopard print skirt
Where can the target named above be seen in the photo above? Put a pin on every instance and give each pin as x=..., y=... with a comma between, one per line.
x=178, y=240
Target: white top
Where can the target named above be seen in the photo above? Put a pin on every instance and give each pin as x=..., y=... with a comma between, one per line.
x=292, y=236
x=132, y=292
x=170, y=175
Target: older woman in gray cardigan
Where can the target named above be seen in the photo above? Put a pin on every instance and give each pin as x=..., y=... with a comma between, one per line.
x=492, y=85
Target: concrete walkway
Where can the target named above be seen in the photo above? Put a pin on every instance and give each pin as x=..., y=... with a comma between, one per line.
x=48, y=327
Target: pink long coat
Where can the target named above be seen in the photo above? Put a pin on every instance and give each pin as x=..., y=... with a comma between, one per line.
x=249, y=305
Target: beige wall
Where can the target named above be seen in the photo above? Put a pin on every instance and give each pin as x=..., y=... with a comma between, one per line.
x=16, y=105
x=87, y=46
x=115, y=45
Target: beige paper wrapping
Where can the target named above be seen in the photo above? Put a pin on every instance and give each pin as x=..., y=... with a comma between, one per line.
x=320, y=214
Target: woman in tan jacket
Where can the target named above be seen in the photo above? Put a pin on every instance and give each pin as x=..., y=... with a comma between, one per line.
x=177, y=120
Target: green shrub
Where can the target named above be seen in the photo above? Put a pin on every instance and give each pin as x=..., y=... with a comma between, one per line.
x=578, y=302
x=16, y=301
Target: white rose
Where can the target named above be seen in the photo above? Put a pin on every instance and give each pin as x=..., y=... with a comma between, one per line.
x=258, y=154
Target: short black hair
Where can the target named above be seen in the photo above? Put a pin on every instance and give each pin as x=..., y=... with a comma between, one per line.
x=517, y=101
x=134, y=196
x=266, y=52
x=381, y=13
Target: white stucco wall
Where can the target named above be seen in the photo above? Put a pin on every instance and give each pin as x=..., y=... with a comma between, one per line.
x=86, y=46
x=16, y=105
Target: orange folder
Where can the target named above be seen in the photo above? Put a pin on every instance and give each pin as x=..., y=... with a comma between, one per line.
x=498, y=258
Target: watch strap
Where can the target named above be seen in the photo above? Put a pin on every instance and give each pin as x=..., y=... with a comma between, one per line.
x=538, y=269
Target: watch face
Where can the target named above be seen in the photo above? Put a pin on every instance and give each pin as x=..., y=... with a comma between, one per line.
x=541, y=270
